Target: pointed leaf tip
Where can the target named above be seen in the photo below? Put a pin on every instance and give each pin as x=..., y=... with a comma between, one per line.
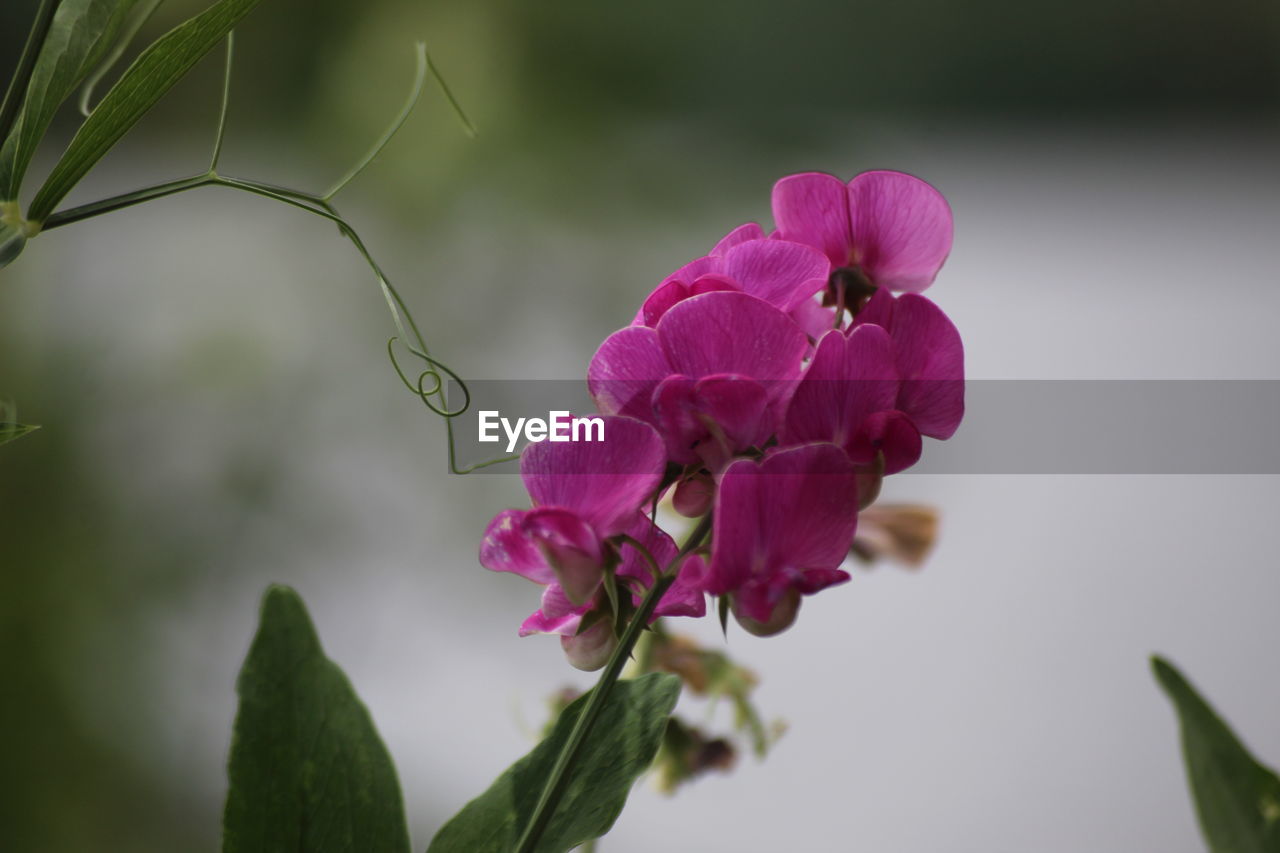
x=307, y=768
x=1237, y=799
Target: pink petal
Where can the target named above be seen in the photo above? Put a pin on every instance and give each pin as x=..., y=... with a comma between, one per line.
x=558, y=615
x=506, y=547
x=625, y=370
x=891, y=433
x=850, y=378
x=685, y=597
x=738, y=406
x=813, y=319
x=813, y=208
x=667, y=294
x=603, y=482
x=731, y=333
x=901, y=229
x=930, y=358
x=741, y=234
x=879, y=309
x=781, y=273
x=794, y=511
x=572, y=549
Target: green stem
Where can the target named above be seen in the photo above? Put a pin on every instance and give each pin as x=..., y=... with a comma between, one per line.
x=119, y=202
x=559, y=778
x=16, y=93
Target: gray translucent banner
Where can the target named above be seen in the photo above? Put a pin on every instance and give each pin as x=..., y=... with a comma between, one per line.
x=1010, y=426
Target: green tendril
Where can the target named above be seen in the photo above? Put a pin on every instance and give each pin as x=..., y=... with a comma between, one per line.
x=431, y=382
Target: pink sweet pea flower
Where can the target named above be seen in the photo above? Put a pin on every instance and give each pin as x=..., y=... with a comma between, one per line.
x=713, y=375
x=782, y=527
x=893, y=228
x=849, y=396
x=781, y=273
x=928, y=356
x=583, y=493
x=586, y=495
x=590, y=648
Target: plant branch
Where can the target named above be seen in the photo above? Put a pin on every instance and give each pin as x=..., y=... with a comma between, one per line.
x=559, y=778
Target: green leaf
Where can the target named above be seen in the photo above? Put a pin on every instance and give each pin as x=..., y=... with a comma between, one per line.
x=11, y=431
x=308, y=771
x=81, y=34
x=152, y=74
x=1237, y=799
x=12, y=241
x=619, y=748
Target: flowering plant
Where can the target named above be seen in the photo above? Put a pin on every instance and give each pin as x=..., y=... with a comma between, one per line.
x=753, y=406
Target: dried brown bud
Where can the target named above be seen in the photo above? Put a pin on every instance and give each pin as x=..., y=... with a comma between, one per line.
x=902, y=533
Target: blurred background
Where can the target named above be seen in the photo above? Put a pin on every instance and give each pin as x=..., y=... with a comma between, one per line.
x=219, y=414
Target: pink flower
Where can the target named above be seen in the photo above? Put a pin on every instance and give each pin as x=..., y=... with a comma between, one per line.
x=781, y=273
x=586, y=495
x=583, y=493
x=713, y=375
x=893, y=228
x=782, y=527
x=589, y=646
x=928, y=356
x=849, y=397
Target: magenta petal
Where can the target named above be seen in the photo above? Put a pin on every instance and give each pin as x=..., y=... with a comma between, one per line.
x=850, y=378
x=813, y=208
x=731, y=333
x=879, y=309
x=739, y=408
x=712, y=283
x=930, y=357
x=675, y=411
x=795, y=510
x=603, y=482
x=572, y=549
x=891, y=433
x=558, y=615
x=667, y=294
x=901, y=229
x=813, y=318
x=781, y=273
x=506, y=547
x=625, y=370
x=685, y=597
x=741, y=234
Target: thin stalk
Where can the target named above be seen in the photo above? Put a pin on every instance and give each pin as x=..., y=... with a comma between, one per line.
x=119, y=202
x=16, y=93
x=224, y=103
x=414, y=94
x=559, y=778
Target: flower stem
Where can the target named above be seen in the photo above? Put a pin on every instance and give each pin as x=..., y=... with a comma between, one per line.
x=559, y=778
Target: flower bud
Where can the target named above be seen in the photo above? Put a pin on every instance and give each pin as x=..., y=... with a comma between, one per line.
x=903, y=533
x=784, y=614
x=693, y=495
x=590, y=650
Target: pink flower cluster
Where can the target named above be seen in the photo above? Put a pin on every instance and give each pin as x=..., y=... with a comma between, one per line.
x=771, y=384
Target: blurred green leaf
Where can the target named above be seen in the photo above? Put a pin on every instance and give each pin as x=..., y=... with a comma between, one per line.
x=82, y=33
x=9, y=432
x=1237, y=799
x=308, y=771
x=619, y=748
x=152, y=74
x=12, y=241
